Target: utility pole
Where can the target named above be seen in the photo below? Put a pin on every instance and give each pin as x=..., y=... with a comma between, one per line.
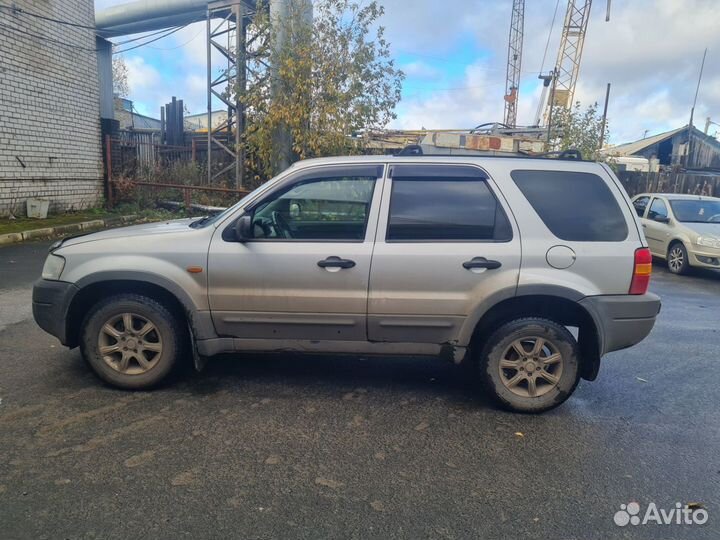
x=604, y=117
x=688, y=161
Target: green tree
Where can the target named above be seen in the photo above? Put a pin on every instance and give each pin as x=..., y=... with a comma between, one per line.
x=578, y=129
x=324, y=83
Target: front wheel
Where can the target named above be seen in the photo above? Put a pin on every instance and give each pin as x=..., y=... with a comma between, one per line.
x=131, y=341
x=530, y=365
x=677, y=259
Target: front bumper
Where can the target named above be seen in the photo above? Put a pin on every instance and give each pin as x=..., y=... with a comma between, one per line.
x=622, y=320
x=50, y=304
x=705, y=258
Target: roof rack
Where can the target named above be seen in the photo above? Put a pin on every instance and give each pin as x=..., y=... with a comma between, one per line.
x=571, y=154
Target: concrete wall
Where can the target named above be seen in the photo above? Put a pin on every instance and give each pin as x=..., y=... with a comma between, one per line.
x=50, y=143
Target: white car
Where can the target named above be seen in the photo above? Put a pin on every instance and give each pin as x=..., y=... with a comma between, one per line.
x=682, y=229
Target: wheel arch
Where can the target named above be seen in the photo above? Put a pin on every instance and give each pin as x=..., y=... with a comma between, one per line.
x=676, y=240
x=96, y=287
x=563, y=309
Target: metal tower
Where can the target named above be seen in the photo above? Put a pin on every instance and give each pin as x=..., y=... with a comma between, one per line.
x=567, y=65
x=228, y=86
x=512, y=78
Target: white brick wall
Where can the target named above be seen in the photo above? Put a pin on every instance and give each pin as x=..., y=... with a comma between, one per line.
x=49, y=108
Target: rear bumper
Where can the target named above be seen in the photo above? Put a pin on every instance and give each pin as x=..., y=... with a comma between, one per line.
x=622, y=320
x=50, y=304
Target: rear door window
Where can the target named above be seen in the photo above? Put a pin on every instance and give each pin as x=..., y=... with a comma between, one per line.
x=442, y=203
x=575, y=206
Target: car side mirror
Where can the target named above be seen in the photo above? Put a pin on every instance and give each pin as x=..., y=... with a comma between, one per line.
x=662, y=219
x=243, y=228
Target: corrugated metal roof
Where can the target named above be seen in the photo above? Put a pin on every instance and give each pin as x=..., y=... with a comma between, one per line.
x=631, y=148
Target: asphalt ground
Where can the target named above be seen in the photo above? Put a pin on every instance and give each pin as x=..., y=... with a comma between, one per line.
x=287, y=446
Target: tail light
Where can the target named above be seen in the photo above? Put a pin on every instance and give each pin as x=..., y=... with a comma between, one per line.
x=641, y=271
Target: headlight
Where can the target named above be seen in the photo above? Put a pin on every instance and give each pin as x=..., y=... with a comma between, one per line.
x=53, y=267
x=707, y=241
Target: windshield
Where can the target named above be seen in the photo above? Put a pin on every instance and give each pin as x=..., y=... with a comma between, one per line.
x=696, y=211
x=217, y=218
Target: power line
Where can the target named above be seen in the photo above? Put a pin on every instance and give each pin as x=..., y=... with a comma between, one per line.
x=151, y=41
x=16, y=9
x=547, y=43
x=144, y=36
x=47, y=39
x=202, y=31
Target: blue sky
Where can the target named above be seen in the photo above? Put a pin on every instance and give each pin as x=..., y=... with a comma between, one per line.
x=454, y=55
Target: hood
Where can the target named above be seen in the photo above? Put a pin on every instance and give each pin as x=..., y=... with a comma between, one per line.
x=705, y=229
x=144, y=229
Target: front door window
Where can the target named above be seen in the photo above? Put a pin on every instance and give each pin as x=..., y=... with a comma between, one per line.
x=334, y=208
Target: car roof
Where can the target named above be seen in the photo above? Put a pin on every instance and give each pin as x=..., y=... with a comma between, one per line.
x=486, y=161
x=679, y=196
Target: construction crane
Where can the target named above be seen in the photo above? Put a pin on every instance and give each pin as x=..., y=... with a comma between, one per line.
x=567, y=66
x=512, y=79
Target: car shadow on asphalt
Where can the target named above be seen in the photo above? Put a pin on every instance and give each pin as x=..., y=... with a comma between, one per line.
x=323, y=375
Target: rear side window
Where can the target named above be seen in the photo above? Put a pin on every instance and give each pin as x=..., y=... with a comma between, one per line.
x=444, y=207
x=575, y=206
x=640, y=204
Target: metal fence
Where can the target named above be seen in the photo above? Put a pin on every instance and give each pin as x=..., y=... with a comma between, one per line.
x=186, y=191
x=135, y=162
x=670, y=182
x=133, y=153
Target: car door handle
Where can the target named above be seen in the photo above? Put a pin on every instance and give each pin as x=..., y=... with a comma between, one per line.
x=644, y=226
x=336, y=262
x=481, y=262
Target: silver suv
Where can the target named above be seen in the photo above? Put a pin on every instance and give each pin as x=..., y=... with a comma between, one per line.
x=531, y=269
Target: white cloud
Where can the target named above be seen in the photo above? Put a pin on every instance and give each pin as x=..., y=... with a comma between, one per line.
x=421, y=70
x=465, y=106
x=650, y=51
x=145, y=84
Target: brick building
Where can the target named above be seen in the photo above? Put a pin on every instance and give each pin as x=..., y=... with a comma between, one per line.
x=50, y=144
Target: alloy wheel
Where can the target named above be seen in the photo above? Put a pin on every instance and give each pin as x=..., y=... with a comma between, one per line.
x=130, y=343
x=531, y=367
x=676, y=260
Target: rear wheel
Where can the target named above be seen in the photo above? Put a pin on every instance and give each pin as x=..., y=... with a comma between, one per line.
x=677, y=259
x=530, y=365
x=131, y=341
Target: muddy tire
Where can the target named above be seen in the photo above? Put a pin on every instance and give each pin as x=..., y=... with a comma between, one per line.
x=131, y=341
x=530, y=365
